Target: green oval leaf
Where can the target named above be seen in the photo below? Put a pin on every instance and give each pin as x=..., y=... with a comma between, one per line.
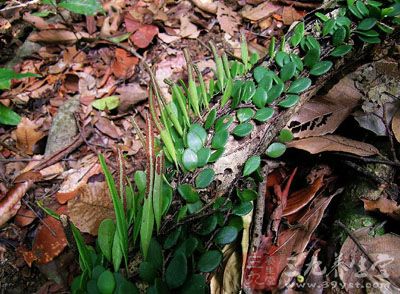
x=172, y=238
x=299, y=85
x=251, y=165
x=220, y=139
x=194, y=142
x=188, y=246
x=288, y=71
x=354, y=10
x=275, y=92
x=263, y=114
x=176, y=272
x=204, y=178
x=244, y=114
x=276, y=150
x=321, y=68
x=289, y=101
x=147, y=272
x=266, y=83
x=200, y=131
x=312, y=57
x=85, y=7
x=282, y=58
x=216, y=154
x=370, y=33
x=243, y=130
x=260, y=97
x=243, y=208
x=105, y=237
x=339, y=36
x=226, y=235
x=247, y=195
x=341, y=50
x=209, y=261
x=260, y=72
x=207, y=225
x=194, y=207
x=189, y=160
x=106, y=282
x=298, y=33
x=110, y=103
x=370, y=40
x=362, y=8
x=203, y=155
x=223, y=123
x=366, y=24
x=195, y=284
x=188, y=193
x=328, y=27
x=285, y=136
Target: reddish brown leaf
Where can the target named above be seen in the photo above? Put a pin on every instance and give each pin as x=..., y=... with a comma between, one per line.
x=48, y=243
x=383, y=205
x=124, y=64
x=144, y=35
x=24, y=217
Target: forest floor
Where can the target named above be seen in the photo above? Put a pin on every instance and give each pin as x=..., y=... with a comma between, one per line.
x=335, y=134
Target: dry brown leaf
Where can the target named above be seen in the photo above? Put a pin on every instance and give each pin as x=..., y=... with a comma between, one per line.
x=24, y=217
x=228, y=19
x=324, y=114
x=57, y=36
x=396, y=125
x=353, y=265
x=92, y=205
x=76, y=178
x=261, y=11
x=47, y=243
x=168, y=38
x=144, y=35
x=335, y=143
x=130, y=95
x=265, y=266
x=209, y=6
x=188, y=29
x=108, y=128
x=27, y=135
x=383, y=205
x=290, y=15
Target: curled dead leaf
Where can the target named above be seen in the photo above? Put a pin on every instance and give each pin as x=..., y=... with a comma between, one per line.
x=383, y=205
x=24, y=217
x=124, y=64
x=228, y=19
x=27, y=135
x=261, y=11
x=57, y=36
x=331, y=143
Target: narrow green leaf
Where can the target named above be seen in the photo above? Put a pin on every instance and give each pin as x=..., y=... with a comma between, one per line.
x=8, y=117
x=354, y=10
x=147, y=225
x=158, y=189
x=251, y=165
x=204, y=178
x=210, y=119
x=227, y=92
x=362, y=8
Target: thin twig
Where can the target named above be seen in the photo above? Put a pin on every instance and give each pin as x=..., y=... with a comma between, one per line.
x=20, y=5
x=127, y=48
x=39, y=217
